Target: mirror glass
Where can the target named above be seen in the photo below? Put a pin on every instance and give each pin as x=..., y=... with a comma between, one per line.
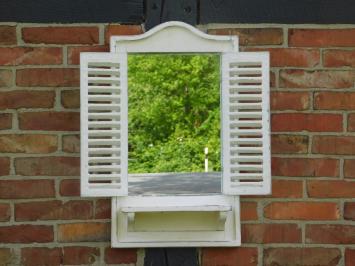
x=174, y=113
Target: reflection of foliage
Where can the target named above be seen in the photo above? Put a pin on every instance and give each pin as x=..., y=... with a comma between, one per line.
x=173, y=112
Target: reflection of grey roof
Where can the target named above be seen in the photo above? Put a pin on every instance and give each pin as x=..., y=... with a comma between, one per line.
x=174, y=183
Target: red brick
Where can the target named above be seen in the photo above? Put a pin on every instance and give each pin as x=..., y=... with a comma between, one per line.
x=70, y=187
x=349, y=211
x=71, y=143
x=330, y=234
x=291, y=57
x=4, y=166
x=8, y=35
x=272, y=79
x=286, y=189
x=330, y=189
x=248, y=211
x=330, y=79
x=47, y=77
x=48, y=166
x=289, y=144
x=307, y=122
x=339, y=58
x=119, y=256
x=26, y=189
x=74, y=52
x=5, y=212
x=34, y=143
x=253, y=36
x=302, y=211
x=282, y=188
x=5, y=78
x=271, y=233
x=41, y=256
x=103, y=209
x=61, y=35
x=52, y=121
x=26, y=234
x=30, y=56
x=306, y=167
x=349, y=168
x=289, y=100
x=80, y=255
x=229, y=256
x=84, y=232
x=5, y=121
x=70, y=98
x=351, y=122
x=334, y=100
x=339, y=145
x=321, y=37
x=7, y=257
x=26, y=99
x=54, y=210
x=281, y=57
x=112, y=30
x=349, y=257
x=301, y=256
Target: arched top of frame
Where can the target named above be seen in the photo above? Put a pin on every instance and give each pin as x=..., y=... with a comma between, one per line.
x=174, y=37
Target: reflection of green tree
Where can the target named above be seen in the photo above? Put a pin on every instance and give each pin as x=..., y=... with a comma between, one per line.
x=173, y=112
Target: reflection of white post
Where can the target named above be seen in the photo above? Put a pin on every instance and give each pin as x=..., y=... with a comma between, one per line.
x=206, y=159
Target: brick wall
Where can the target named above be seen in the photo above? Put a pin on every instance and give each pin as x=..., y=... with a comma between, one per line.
x=309, y=218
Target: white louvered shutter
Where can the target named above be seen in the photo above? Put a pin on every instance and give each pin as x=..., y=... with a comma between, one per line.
x=246, y=123
x=103, y=96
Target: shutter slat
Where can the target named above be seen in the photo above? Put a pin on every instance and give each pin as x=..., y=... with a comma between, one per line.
x=103, y=71
x=246, y=132
x=104, y=133
x=111, y=98
x=105, y=107
x=110, y=142
x=103, y=124
x=246, y=106
x=246, y=159
x=104, y=151
x=104, y=89
x=104, y=159
x=246, y=124
x=111, y=115
x=103, y=168
x=239, y=150
x=244, y=97
x=248, y=141
x=246, y=71
x=246, y=80
x=254, y=115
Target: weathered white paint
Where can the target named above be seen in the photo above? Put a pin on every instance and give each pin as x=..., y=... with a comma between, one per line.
x=175, y=221
x=104, y=143
x=246, y=123
x=174, y=37
x=154, y=210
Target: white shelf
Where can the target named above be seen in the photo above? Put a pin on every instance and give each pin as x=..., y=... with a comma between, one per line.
x=204, y=208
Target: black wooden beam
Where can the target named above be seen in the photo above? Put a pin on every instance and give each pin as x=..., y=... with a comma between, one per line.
x=155, y=257
x=171, y=257
x=159, y=11
x=72, y=11
x=182, y=256
x=154, y=12
x=277, y=11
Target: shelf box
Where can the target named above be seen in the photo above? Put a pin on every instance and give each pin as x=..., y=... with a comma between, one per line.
x=175, y=221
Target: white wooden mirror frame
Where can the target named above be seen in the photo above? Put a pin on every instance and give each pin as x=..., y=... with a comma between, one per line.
x=176, y=220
